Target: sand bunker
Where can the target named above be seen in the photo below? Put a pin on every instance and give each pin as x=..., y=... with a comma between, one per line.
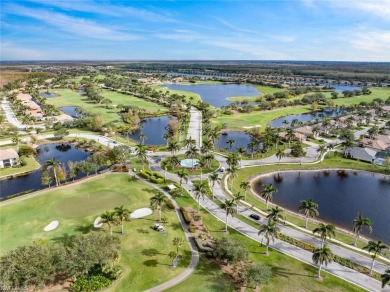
x=139, y=213
x=51, y=226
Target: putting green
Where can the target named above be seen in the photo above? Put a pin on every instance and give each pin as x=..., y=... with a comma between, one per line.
x=90, y=203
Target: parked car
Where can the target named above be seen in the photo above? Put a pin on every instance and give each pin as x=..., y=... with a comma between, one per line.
x=254, y=216
x=222, y=169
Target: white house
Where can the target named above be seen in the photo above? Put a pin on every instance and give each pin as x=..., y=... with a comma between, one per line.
x=8, y=157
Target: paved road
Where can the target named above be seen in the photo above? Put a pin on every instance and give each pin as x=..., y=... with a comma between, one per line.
x=348, y=274
x=195, y=127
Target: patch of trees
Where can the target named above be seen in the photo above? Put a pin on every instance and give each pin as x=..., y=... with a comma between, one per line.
x=86, y=260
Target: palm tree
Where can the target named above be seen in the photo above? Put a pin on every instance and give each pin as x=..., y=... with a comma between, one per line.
x=290, y=135
x=322, y=256
x=375, y=247
x=52, y=163
x=122, y=213
x=109, y=218
x=330, y=146
x=229, y=207
x=241, y=151
x=245, y=185
x=232, y=171
x=321, y=150
x=173, y=146
x=385, y=278
x=325, y=231
x=192, y=153
x=236, y=198
x=183, y=175
x=214, y=178
x=267, y=193
x=280, y=154
x=275, y=214
x=157, y=202
x=201, y=165
x=358, y=224
x=231, y=142
x=270, y=231
x=141, y=154
x=16, y=139
x=199, y=190
x=309, y=208
x=142, y=138
x=164, y=164
x=178, y=242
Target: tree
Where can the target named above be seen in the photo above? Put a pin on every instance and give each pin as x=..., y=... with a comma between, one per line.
x=96, y=122
x=141, y=154
x=270, y=231
x=322, y=256
x=241, y=151
x=53, y=164
x=192, y=153
x=375, y=247
x=178, y=242
x=123, y=214
x=290, y=135
x=275, y=214
x=173, y=146
x=61, y=133
x=385, y=278
x=231, y=142
x=358, y=223
x=229, y=207
x=229, y=250
x=199, y=191
x=110, y=219
x=232, y=172
x=267, y=193
x=142, y=138
x=46, y=178
x=236, y=198
x=245, y=185
x=157, y=202
x=309, y=208
x=16, y=139
x=183, y=175
x=258, y=274
x=321, y=150
x=280, y=154
x=325, y=231
x=72, y=169
x=213, y=179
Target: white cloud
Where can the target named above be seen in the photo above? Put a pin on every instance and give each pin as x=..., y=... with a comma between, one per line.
x=375, y=42
x=234, y=27
x=283, y=38
x=10, y=51
x=72, y=25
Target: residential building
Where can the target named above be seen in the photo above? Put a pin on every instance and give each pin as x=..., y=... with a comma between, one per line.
x=8, y=157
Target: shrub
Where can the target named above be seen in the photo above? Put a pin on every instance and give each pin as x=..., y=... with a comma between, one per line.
x=197, y=217
x=144, y=174
x=186, y=217
x=92, y=283
x=191, y=229
x=170, y=204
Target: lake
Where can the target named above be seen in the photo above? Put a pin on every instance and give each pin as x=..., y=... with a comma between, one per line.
x=70, y=110
x=241, y=140
x=48, y=95
x=341, y=88
x=339, y=197
x=306, y=117
x=217, y=94
x=153, y=128
x=32, y=182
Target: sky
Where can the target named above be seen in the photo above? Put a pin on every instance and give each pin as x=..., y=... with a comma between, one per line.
x=324, y=30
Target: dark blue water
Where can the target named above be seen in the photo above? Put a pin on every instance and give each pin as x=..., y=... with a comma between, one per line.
x=339, y=198
x=341, y=88
x=217, y=94
x=69, y=110
x=48, y=95
x=32, y=181
x=154, y=129
x=306, y=117
x=241, y=140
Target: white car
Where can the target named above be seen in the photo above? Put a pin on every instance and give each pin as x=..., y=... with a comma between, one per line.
x=158, y=227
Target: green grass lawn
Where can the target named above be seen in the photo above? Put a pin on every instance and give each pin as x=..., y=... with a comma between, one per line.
x=238, y=121
x=195, y=97
x=144, y=257
x=68, y=97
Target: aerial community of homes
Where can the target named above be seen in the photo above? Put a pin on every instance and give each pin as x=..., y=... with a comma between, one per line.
x=32, y=108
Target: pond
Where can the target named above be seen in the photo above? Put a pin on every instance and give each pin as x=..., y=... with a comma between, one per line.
x=70, y=110
x=153, y=129
x=48, y=95
x=241, y=139
x=217, y=94
x=32, y=182
x=306, y=117
x=341, y=88
x=195, y=75
x=339, y=197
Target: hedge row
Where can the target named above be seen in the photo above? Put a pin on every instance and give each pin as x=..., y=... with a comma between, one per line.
x=187, y=218
x=152, y=176
x=337, y=259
